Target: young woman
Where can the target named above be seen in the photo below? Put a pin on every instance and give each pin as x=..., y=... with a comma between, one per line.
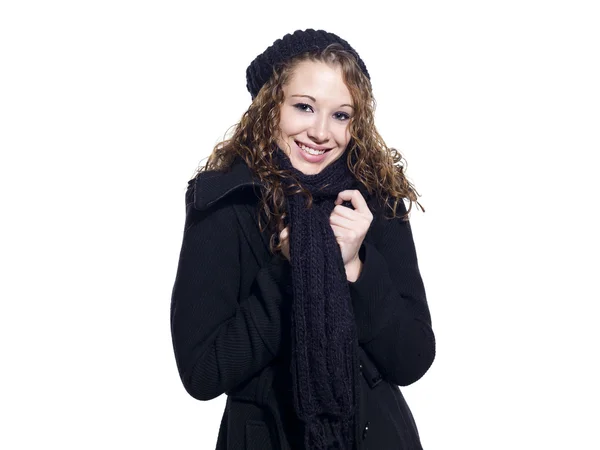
x=298, y=292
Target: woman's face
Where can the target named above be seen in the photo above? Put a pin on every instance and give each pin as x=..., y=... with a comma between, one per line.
x=315, y=114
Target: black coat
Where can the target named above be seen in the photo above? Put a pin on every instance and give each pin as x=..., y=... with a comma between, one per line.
x=230, y=313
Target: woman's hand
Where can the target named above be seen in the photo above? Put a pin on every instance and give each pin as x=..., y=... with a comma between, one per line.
x=284, y=238
x=350, y=227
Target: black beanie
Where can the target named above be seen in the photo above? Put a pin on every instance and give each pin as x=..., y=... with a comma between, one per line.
x=261, y=69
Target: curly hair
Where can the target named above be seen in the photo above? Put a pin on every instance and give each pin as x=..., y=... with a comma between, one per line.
x=254, y=139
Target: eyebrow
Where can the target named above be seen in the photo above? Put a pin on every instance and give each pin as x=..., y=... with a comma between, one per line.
x=313, y=99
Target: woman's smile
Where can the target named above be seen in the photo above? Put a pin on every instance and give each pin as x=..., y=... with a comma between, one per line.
x=309, y=153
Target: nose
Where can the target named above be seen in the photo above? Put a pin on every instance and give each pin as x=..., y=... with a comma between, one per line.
x=319, y=130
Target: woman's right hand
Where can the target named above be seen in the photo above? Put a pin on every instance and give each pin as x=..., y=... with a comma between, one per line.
x=284, y=238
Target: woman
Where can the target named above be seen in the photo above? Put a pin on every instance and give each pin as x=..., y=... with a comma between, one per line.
x=298, y=292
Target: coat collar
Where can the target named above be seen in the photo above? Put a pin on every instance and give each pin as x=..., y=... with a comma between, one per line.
x=211, y=186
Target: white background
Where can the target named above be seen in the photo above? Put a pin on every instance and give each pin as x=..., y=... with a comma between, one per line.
x=106, y=110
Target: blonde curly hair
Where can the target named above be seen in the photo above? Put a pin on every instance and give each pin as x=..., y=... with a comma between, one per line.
x=375, y=165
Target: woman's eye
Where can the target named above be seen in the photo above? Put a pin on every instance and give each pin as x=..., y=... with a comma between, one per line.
x=302, y=106
x=305, y=107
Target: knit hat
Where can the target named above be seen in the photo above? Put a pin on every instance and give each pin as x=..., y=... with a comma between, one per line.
x=261, y=69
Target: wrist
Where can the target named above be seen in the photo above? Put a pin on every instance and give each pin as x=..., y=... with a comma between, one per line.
x=353, y=269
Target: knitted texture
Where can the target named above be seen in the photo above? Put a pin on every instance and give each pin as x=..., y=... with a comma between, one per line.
x=324, y=338
x=261, y=69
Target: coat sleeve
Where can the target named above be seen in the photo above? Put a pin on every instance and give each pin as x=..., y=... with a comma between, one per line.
x=221, y=340
x=390, y=305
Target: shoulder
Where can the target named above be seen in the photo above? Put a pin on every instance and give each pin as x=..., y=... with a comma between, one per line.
x=383, y=224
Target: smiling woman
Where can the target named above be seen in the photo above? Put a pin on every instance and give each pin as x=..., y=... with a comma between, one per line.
x=310, y=322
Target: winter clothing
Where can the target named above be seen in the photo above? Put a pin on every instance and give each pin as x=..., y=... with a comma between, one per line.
x=324, y=364
x=260, y=70
x=231, y=314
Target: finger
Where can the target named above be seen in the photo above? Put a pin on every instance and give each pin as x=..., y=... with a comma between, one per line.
x=343, y=211
x=342, y=222
x=358, y=201
x=340, y=233
x=337, y=232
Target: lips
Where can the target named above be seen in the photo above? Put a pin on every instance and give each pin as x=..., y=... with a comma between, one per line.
x=318, y=147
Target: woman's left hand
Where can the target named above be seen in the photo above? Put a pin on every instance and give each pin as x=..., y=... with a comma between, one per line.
x=349, y=225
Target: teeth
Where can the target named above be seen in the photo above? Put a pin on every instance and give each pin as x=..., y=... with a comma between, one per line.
x=310, y=150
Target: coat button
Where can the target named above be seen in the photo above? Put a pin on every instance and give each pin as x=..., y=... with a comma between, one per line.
x=360, y=367
x=365, y=430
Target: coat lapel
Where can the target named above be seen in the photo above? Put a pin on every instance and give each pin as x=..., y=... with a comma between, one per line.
x=212, y=186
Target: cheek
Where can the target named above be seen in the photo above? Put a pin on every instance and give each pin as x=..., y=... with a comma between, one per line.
x=343, y=134
x=293, y=125
x=286, y=123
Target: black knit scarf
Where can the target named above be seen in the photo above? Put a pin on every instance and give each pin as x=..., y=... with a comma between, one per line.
x=323, y=331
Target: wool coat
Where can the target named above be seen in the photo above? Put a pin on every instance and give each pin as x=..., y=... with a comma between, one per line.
x=230, y=321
